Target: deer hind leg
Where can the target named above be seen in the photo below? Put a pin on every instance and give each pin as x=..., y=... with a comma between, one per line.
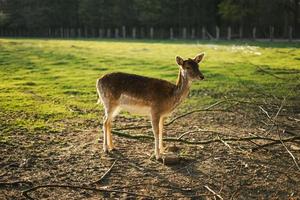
x=161, y=127
x=155, y=126
x=105, y=146
x=114, y=112
x=110, y=112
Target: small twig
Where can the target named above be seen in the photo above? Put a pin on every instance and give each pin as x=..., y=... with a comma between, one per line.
x=186, y=133
x=225, y=143
x=73, y=187
x=209, y=189
x=276, y=115
x=293, y=157
x=292, y=133
x=105, y=174
x=3, y=174
x=280, y=108
x=132, y=127
x=265, y=112
x=295, y=119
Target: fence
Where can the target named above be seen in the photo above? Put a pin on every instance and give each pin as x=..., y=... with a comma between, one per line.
x=212, y=33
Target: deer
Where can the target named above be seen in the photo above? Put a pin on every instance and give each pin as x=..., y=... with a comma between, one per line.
x=146, y=96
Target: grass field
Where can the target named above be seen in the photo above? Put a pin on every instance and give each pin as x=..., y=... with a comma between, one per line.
x=44, y=81
x=49, y=120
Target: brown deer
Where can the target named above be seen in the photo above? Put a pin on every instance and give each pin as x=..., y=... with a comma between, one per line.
x=147, y=96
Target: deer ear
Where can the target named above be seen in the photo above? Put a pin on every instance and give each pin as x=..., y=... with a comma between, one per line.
x=199, y=58
x=179, y=60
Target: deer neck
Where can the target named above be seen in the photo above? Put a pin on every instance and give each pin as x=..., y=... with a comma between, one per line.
x=182, y=88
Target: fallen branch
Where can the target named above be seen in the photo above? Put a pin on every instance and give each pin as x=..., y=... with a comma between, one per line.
x=276, y=142
x=174, y=119
x=221, y=140
x=194, y=111
x=73, y=187
x=105, y=174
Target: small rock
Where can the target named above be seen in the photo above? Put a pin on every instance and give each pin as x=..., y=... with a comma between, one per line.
x=171, y=159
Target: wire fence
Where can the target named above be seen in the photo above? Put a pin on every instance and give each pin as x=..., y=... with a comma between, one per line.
x=205, y=33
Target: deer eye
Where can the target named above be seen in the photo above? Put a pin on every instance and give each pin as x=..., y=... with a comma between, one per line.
x=188, y=67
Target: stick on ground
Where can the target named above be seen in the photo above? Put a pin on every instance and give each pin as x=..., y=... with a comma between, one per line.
x=293, y=157
x=105, y=174
x=74, y=187
x=209, y=189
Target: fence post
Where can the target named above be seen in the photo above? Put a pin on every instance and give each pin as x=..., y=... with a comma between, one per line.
x=79, y=33
x=193, y=33
x=73, y=33
x=61, y=32
x=171, y=34
x=124, y=32
x=100, y=33
x=142, y=32
x=229, y=33
x=290, y=33
x=241, y=32
x=254, y=33
x=116, y=33
x=151, y=32
x=108, y=33
x=271, y=33
x=85, y=32
x=217, y=33
x=93, y=32
x=184, y=33
x=133, y=32
x=203, y=33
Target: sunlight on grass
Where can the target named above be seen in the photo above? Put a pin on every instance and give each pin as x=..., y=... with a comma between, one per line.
x=48, y=81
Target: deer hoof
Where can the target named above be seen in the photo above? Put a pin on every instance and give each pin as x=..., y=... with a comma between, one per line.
x=111, y=148
x=105, y=149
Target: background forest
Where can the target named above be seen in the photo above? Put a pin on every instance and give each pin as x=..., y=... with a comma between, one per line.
x=94, y=14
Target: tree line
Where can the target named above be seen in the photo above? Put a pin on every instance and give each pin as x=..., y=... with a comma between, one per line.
x=282, y=15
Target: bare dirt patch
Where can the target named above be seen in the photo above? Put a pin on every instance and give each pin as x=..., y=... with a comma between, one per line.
x=223, y=169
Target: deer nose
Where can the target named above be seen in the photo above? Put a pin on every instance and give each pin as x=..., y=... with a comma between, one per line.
x=201, y=77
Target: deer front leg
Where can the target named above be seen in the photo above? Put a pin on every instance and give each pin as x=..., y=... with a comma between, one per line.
x=161, y=127
x=155, y=126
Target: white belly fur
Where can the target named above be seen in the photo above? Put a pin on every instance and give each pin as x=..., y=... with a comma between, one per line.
x=133, y=105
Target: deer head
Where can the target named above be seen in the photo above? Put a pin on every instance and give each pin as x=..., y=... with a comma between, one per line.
x=190, y=68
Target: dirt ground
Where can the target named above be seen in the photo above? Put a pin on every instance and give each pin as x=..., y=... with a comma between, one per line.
x=217, y=170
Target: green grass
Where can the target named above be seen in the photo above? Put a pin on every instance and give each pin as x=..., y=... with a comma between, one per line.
x=45, y=83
